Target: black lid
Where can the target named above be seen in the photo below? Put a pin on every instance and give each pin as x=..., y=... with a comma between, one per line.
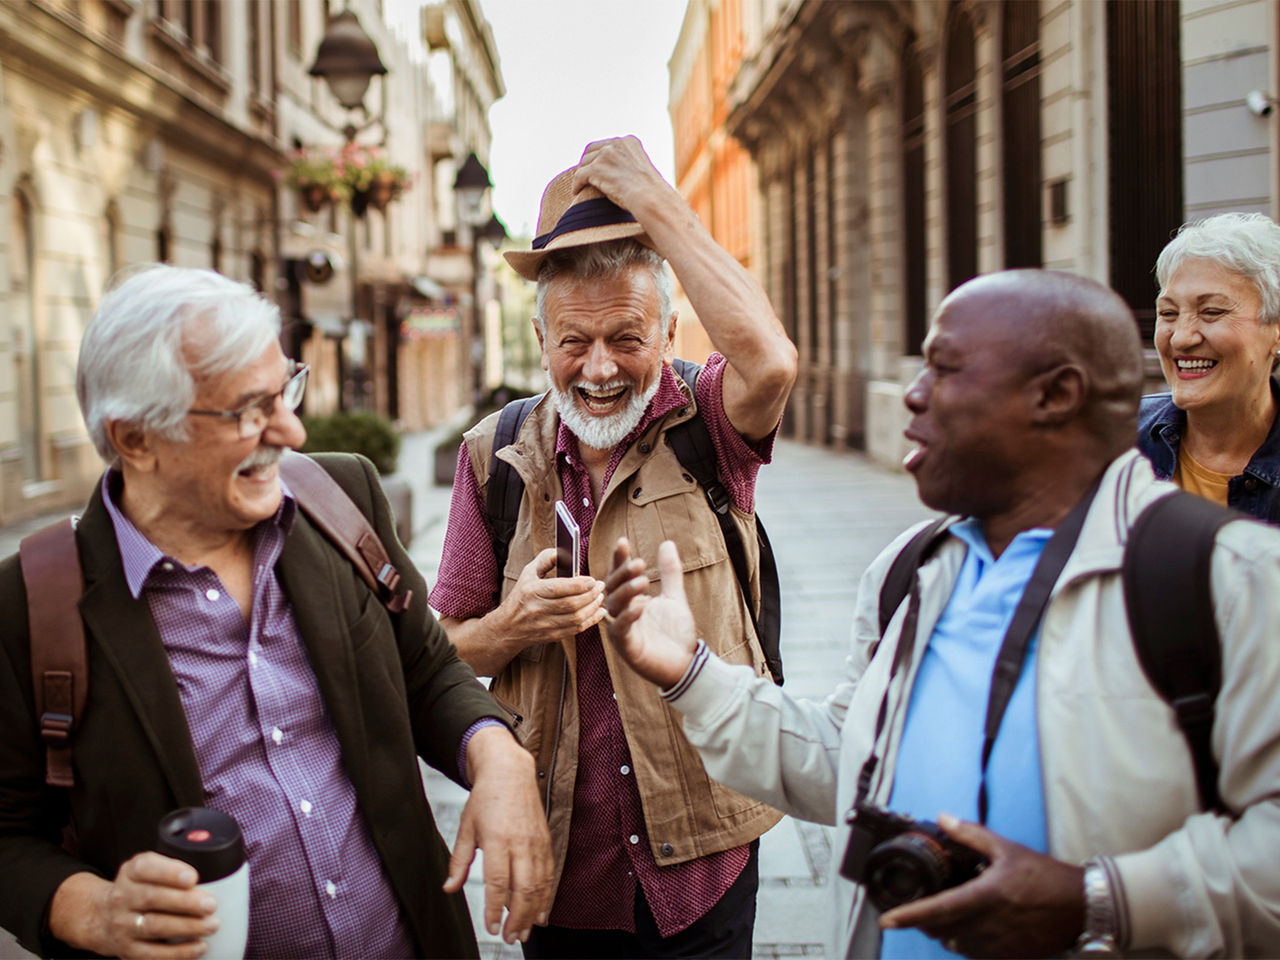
x=207, y=839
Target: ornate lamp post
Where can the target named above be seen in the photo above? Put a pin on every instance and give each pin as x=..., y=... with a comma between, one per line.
x=471, y=186
x=347, y=59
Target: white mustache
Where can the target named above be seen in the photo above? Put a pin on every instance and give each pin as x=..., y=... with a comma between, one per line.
x=263, y=456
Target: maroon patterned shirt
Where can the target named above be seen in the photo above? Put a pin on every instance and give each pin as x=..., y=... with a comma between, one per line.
x=608, y=843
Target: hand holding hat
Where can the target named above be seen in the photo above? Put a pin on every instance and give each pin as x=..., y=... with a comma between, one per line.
x=588, y=203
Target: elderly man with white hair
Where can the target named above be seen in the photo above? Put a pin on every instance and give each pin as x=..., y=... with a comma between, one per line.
x=236, y=660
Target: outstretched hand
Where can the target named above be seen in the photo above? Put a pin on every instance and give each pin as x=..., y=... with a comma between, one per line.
x=655, y=634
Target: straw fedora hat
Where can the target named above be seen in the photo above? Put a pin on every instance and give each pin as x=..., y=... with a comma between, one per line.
x=568, y=219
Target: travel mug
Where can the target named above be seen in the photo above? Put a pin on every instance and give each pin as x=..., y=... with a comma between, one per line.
x=210, y=841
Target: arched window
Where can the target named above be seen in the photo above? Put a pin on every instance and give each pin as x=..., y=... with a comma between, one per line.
x=961, y=138
x=1020, y=55
x=913, y=204
x=26, y=341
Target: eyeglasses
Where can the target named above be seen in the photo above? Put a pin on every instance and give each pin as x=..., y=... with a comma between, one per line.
x=253, y=417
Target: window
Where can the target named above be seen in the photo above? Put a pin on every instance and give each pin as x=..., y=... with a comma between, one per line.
x=1020, y=53
x=1144, y=145
x=913, y=211
x=961, y=151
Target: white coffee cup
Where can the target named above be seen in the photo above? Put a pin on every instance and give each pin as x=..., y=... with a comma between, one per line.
x=210, y=841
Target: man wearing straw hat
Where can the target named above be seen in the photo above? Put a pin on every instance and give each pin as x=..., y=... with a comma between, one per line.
x=652, y=857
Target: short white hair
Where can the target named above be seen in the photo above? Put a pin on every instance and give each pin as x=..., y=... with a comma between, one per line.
x=606, y=261
x=132, y=367
x=1245, y=243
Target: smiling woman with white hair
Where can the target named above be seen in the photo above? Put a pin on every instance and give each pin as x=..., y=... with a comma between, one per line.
x=1216, y=433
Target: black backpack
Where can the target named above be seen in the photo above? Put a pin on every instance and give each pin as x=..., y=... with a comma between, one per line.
x=1169, y=601
x=693, y=448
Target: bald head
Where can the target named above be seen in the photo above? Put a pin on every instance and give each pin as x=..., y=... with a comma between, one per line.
x=1043, y=319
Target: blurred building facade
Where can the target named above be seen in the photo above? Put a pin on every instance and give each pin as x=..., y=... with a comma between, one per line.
x=904, y=146
x=136, y=131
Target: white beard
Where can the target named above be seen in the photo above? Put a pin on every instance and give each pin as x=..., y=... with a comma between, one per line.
x=602, y=433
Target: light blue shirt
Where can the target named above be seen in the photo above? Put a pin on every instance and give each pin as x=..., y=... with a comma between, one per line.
x=940, y=758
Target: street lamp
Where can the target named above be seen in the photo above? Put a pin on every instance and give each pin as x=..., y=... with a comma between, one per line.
x=470, y=186
x=347, y=59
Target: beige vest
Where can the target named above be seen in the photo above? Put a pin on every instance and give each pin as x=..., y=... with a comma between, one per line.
x=650, y=498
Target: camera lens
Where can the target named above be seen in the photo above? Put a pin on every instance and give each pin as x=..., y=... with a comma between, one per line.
x=910, y=866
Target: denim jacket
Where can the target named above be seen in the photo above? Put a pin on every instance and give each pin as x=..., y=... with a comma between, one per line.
x=1256, y=491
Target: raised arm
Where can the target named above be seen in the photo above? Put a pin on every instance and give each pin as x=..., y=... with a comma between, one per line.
x=728, y=301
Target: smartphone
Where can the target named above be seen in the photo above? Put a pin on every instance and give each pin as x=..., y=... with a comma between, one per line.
x=567, y=542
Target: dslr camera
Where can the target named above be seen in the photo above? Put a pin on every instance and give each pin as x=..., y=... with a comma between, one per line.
x=899, y=859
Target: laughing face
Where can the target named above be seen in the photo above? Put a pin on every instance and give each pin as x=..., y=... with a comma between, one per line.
x=217, y=482
x=604, y=351
x=1214, y=351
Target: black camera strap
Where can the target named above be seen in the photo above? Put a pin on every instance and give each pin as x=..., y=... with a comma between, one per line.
x=1013, y=649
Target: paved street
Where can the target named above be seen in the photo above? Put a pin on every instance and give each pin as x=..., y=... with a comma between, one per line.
x=828, y=515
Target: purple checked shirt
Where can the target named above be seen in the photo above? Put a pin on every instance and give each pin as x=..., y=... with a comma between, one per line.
x=267, y=751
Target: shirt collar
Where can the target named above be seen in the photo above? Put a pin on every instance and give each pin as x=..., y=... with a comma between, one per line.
x=970, y=531
x=668, y=397
x=139, y=555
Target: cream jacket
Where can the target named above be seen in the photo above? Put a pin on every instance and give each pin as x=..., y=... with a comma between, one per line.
x=650, y=498
x=1118, y=777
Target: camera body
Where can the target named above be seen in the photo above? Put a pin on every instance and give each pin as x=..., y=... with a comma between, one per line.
x=899, y=859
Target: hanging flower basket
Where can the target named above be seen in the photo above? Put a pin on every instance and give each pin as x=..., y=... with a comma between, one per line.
x=316, y=174
x=370, y=178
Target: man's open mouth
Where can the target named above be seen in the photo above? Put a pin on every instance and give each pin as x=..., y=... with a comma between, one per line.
x=602, y=399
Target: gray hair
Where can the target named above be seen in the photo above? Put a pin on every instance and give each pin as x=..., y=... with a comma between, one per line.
x=1245, y=243
x=607, y=260
x=132, y=367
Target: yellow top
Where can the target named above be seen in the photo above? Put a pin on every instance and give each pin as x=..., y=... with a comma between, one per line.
x=1196, y=478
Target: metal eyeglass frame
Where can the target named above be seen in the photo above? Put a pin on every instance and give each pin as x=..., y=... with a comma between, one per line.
x=253, y=417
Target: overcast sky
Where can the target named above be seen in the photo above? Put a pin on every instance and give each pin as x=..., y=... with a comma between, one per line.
x=575, y=71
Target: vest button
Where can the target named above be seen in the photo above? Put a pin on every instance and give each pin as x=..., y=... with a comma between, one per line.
x=542, y=774
x=687, y=478
x=1251, y=484
x=666, y=849
x=635, y=494
x=644, y=446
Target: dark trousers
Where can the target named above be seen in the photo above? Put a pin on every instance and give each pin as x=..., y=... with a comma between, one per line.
x=723, y=931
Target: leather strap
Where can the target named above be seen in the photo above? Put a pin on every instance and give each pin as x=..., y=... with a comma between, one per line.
x=327, y=505
x=59, y=661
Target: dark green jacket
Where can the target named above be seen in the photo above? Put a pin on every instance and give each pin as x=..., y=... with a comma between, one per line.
x=393, y=684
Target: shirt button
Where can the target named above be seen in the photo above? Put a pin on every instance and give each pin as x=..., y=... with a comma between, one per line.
x=634, y=839
x=331, y=889
x=305, y=807
x=212, y=594
x=586, y=501
x=277, y=735
x=624, y=769
x=253, y=659
x=1251, y=484
x=167, y=567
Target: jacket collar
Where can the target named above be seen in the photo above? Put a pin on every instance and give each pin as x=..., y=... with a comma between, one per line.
x=122, y=627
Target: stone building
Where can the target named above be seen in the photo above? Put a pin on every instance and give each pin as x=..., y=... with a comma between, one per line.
x=903, y=146
x=155, y=130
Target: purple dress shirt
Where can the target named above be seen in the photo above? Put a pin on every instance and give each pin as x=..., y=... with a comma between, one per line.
x=267, y=751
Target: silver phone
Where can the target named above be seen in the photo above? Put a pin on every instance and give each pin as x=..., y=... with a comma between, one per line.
x=568, y=542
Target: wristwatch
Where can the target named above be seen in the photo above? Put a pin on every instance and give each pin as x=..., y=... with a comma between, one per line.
x=1101, y=923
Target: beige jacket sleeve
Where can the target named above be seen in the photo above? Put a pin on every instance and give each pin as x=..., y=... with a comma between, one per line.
x=1212, y=888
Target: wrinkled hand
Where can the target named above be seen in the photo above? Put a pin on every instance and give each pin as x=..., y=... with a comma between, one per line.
x=546, y=609
x=656, y=635
x=102, y=916
x=1024, y=904
x=503, y=817
x=623, y=172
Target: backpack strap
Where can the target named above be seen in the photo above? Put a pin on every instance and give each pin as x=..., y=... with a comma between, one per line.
x=1169, y=598
x=691, y=443
x=505, y=488
x=53, y=579
x=329, y=507
x=897, y=583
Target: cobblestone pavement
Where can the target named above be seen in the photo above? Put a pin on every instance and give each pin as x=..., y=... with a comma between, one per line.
x=828, y=515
